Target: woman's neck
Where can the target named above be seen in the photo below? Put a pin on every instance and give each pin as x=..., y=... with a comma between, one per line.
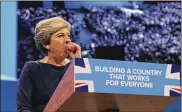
x=55, y=61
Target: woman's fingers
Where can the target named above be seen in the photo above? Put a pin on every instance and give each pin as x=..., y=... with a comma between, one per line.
x=70, y=47
x=74, y=50
x=71, y=54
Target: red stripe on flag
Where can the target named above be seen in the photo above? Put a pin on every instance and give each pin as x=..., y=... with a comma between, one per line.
x=78, y=83
x=177, y=89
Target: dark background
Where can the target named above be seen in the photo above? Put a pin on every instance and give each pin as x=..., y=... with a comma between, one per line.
x=129, y=31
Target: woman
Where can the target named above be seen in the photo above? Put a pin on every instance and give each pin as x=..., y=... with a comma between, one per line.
x=39, y=79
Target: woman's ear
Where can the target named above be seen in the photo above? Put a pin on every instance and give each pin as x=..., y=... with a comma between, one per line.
x=47, y=47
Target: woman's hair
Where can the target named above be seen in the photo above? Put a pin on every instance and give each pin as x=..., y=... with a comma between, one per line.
x=44, y=30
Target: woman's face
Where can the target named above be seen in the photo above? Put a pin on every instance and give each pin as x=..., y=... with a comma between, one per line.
x=58, y=42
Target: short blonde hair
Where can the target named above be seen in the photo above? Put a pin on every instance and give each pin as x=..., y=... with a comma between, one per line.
x=45, y=28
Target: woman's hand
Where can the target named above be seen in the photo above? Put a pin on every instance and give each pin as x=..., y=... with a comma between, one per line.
x=74, y=50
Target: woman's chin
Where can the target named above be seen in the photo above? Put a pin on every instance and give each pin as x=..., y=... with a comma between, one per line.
x=66, y=55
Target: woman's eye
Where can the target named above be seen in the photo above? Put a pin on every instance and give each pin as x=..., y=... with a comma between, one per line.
x=60, y=36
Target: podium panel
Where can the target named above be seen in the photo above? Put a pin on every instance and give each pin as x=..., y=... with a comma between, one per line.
x=94, y=85
x=91, y=102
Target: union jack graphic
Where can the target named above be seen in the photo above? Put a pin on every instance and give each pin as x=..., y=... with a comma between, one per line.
x=84, y=86
x=172, y=72
x=82, y=65
x=170, y=86
x=172, y=90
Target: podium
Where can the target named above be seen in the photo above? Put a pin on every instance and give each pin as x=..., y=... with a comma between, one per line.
x=96, y=85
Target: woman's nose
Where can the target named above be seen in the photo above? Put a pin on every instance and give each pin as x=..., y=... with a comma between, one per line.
x=67, y=40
